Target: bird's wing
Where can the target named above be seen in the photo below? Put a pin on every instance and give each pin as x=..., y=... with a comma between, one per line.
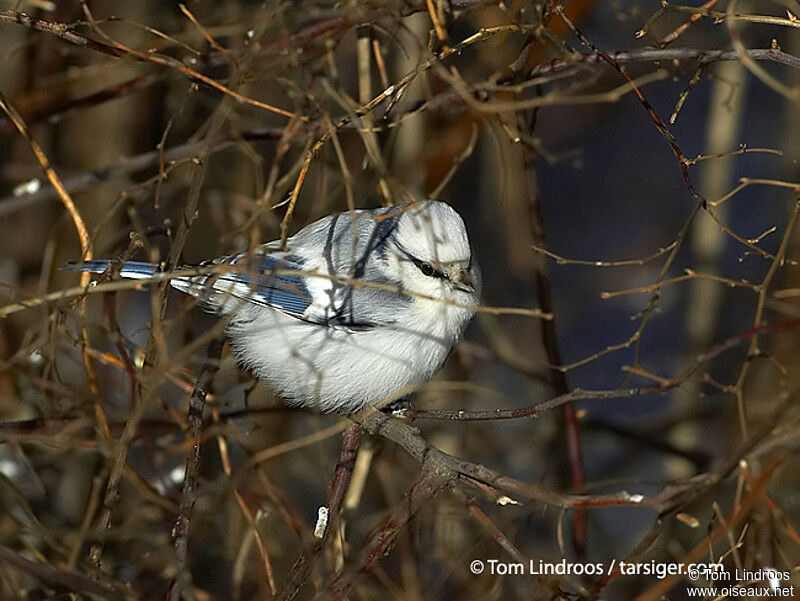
x=312, y=281
x=351, y=248
x=277, y=280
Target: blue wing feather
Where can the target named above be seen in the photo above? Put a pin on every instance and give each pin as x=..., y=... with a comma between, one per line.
x=256, y=282
x=285, y=291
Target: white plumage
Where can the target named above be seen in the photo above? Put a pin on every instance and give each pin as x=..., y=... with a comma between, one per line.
x=361, y=309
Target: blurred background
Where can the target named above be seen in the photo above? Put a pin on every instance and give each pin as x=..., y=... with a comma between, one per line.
x=183, y=132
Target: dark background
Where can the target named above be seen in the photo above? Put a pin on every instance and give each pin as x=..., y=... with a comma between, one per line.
x=605, y=181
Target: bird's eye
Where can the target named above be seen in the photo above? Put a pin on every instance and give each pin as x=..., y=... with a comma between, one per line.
x=427, y=269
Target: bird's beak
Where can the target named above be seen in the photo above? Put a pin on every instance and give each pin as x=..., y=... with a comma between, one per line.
x=465, y=279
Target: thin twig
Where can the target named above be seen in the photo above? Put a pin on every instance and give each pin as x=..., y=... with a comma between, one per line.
x=340, y=482
x=86, y=249
x=660, y=125
x=549, y=340
x=57, y=578
x=384, y=535
x=194, y=423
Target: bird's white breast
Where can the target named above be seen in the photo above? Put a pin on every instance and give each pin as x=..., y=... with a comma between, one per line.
x=341, y=370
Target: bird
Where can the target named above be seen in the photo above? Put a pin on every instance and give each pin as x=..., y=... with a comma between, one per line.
x=357, y=309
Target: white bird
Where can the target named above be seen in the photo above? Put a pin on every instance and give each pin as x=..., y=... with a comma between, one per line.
x=360, y=309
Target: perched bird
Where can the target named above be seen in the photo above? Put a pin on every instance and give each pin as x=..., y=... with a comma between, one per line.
x=360, y=308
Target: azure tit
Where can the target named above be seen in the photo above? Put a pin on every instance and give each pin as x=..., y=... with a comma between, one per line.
x=360, y=308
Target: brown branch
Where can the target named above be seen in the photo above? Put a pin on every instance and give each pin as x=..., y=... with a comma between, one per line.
x=132, y=164
x=63, y=579
x=530, y=411
x=52, y=105
x=392, y=92
x=222, y=446
x=549, y=340
x=168, y=61
x=410, y=439
x=660, y=125
x=60, y=30
x=498, y=535
x=700, y=550
x=646, y=55
x=763, y=289
x=194, y=423
x=340, y=482
x=383, y=537
x=670, y=37
x=85, y=242
x=119, y=50
x=681, y=493
x=55, y=181
x=116, y=335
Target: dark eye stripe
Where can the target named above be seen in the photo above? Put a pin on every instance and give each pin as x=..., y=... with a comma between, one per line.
x=428, y=269
x=423, y=266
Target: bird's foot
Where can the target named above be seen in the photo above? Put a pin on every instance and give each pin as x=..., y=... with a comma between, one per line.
x=398, y=408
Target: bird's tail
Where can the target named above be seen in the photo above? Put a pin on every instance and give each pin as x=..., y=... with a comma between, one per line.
x=134, y=270
x=217, y=292
x=197, y=286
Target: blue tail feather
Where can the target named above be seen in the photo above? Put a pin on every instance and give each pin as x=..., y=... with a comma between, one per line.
x=225, y=292
x=129, y=269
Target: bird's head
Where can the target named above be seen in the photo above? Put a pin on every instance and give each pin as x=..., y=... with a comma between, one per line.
x=430, y=252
